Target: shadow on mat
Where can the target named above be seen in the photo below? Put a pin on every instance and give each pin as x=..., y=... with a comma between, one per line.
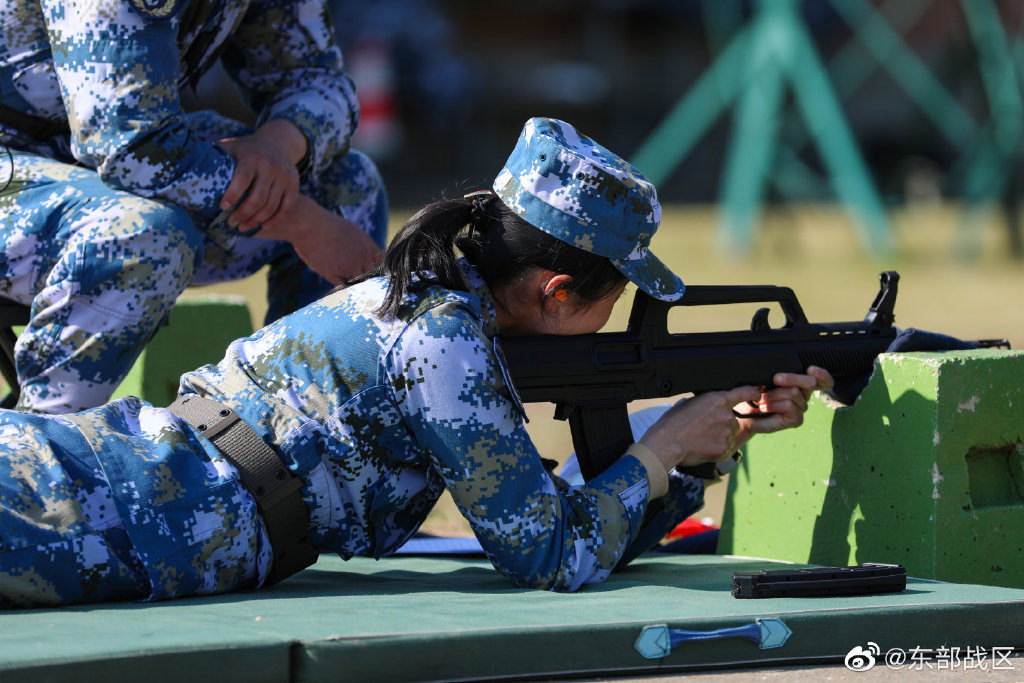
x=481, y=579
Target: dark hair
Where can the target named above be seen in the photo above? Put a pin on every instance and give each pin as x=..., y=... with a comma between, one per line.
x=500, y=244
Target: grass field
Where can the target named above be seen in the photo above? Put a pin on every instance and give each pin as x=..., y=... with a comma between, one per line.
x=816, y=252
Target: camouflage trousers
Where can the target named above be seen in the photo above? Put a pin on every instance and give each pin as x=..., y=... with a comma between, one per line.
x=55, y=544
x=102, y=268
x=81, y=525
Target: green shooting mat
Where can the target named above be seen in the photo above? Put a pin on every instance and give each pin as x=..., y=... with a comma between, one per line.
x=432, y=618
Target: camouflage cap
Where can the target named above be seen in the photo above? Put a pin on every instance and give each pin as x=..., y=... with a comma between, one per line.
x=572, y=188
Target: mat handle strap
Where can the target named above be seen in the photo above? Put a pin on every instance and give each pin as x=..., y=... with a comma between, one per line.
x=658, y=640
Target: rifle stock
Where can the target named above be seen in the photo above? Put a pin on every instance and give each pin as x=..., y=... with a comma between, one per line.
x=592, y=377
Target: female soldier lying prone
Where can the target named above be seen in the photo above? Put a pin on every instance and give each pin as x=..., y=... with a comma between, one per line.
x=336, y=428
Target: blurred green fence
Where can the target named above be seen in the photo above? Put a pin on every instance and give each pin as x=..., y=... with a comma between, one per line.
x=770, y=54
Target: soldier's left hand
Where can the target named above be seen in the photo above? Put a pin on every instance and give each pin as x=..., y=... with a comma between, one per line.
x=333, y=246
x=786, y=402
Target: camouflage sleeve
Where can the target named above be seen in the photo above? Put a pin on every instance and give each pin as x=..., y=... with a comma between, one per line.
x=285, y=55
x=685, y=496
x=443, y=373
x=119, y=74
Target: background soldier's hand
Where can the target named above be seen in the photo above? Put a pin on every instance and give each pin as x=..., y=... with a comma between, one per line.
x=334, y=247
x=265, y=168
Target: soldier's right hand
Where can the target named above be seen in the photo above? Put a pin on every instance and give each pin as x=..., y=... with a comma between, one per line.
x=700, y=429
x=265, y=174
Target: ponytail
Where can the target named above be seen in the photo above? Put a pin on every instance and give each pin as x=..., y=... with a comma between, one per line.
x=424, y=248
x=500, y=244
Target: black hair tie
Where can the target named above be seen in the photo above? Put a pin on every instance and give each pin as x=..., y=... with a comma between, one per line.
x=478, y=214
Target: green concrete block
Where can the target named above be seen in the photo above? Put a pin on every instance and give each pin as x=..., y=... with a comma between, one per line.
x=925, y=469
x=197, y=332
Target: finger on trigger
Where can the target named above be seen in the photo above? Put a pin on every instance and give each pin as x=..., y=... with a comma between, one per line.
x=743, y=394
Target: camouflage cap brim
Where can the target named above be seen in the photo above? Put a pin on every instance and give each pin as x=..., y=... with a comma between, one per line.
x=652, y=276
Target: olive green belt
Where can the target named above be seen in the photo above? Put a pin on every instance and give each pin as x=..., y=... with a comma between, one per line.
x=264, y=475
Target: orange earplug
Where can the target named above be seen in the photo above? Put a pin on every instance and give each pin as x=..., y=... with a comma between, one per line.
x=560, y=295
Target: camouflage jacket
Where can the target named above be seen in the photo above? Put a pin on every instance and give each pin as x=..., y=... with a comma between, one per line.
x=378, y=417
x=98, y=83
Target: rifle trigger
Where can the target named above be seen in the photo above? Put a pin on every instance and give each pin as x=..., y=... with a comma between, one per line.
x=756, y=415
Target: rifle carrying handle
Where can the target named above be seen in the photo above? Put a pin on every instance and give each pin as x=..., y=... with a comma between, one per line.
x=650, y=312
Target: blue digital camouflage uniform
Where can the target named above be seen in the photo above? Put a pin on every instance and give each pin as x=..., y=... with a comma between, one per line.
x=377, y=416
x=109, y=200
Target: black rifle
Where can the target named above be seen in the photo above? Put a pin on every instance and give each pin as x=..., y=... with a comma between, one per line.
x=591, y=377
